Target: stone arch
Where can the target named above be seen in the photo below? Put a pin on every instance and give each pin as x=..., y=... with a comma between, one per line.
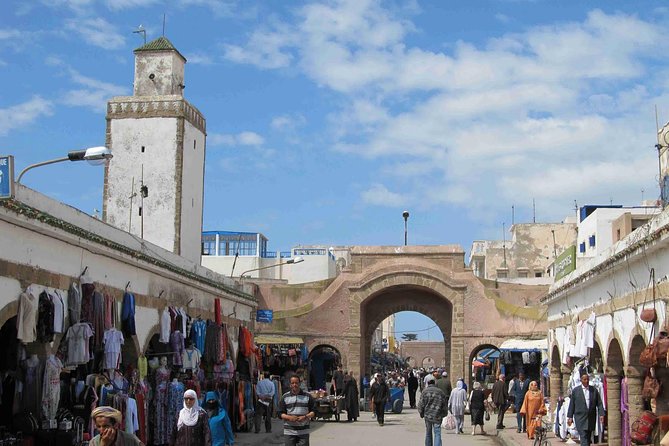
x=412, y=362
x=408, y=296
x=596, y=357
x=9, y=311
x=152, y=332
x=427, y=362
x=555, y=375
x=472, y=355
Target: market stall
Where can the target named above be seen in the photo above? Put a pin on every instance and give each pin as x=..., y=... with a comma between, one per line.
x=523, y=355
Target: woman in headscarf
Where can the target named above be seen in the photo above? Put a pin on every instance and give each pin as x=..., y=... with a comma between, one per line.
x=477, y=407
x=533, y=406
x=352, y=401
x=219, y=422
x=108, y=422
x=192, y=425
x=456, y=405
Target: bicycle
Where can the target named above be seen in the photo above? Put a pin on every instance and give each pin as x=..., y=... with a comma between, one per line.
x=541, y=431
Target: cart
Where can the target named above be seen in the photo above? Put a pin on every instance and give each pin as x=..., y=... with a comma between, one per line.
x=328, y=406
x=396, y=400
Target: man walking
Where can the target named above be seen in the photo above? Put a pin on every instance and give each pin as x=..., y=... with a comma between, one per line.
x=297, y=409
x=500, y=396
x=444, y=384
x=264, y=404
x=432, y=407
x=520, y=387
x=583, y=405
x=338, y=381
x=412, y=383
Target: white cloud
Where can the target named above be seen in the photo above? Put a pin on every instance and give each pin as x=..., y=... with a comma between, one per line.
x=97, y=32
x=94, y=93
x=241, y=139
x=220, y=8
x=477, y=125
x=24, y=114
x=9, y=34
x=286, y=123
x=200, y=59
x=502, y=18
x=379, y=195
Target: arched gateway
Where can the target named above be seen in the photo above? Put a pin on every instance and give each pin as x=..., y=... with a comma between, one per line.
x=380, y=281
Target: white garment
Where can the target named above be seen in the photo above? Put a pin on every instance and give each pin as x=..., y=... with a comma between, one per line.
x=58, y=311
x=27, y=318
x=77, y=343
x=190, y=358
x=568, y=341
x=188, y=416
x=184, y=320
x=165, y=327
x=51, y=387
x=586, y=395
x=131, y=420
x=588, y=334
x=113, y=339
x=526, y=357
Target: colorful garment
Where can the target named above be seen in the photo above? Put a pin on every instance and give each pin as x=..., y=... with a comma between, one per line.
x=161, y=434
x=176, y=394
x=128, y=315
x=197, y=333
x=51, y=387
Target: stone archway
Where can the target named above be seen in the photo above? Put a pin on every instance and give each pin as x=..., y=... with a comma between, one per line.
x=614, y=373
x=393, y=299
x=555, y=376
x=323, y=360
x=412, y=362
x=428, y=362
x=470, y=364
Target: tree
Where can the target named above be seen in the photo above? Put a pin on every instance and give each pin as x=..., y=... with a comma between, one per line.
x=409, y=337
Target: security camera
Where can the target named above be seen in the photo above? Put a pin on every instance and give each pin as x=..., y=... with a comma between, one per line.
x=152, y=76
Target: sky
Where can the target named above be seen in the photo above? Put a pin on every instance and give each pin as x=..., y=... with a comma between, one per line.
x=327, y=119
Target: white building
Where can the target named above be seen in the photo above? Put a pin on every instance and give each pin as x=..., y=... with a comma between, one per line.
x=154, y=185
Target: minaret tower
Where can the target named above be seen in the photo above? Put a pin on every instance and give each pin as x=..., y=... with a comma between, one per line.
x=154, y=185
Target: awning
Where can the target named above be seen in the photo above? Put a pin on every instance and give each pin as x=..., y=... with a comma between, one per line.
x=525, y=345
x=277, y=339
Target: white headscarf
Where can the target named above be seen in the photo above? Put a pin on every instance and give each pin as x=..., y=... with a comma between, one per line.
x=460, y=384
x=189, y=416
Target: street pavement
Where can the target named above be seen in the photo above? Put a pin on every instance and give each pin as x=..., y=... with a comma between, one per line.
x=405, y=429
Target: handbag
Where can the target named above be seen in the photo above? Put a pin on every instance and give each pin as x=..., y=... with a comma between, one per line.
x=642, y=428
x=448, y=422
x=662, y=350
x=648, y=315
x=487, y=415
x=467, y=410
x=648, y=357
x=651, y=386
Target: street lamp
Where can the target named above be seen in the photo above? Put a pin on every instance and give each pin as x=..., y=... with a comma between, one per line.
x=94, y=155
x=297, y=259
x=405, y=214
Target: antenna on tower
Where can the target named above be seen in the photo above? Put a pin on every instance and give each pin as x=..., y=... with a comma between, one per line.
x=534, y=211
x=164, y=24
x=504, y=243
x=513, y=215
x=659, y=148
x=140, y=30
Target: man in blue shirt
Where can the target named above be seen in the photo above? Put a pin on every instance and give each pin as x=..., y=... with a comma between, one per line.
x=264, y=403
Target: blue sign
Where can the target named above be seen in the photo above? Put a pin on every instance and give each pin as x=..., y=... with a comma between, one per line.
x=264, y=316
x=6, y=177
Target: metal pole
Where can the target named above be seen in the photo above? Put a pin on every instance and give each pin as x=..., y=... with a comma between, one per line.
x=43, y=163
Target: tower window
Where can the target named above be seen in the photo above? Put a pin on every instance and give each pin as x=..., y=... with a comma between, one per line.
x=194, y=143
x=140, y=211
x=143, y=148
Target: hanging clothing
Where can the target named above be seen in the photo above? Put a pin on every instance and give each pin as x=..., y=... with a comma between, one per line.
x=109, y=312
x=161, y=434
x=190, y=359
x=98, y=320
x=625, y=411
x=131, y=419
x=113, y=339
x=175, y=403
x=51, y=387
x=33, y=374
x=177, y=344
x=142, y=367
x=78, y=336
x=165, y=326
x=58, y=312
x=217, y=311
x=197, y=334
x=27, y=318
x=87, y=291
x=128, y=315
x=45, y=312
x=74, y=303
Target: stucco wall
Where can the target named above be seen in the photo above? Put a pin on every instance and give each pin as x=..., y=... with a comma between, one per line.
x=192, y=191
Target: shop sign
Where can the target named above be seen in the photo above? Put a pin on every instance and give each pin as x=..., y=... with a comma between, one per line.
x=6, y=177
x=264, y=316
x=565, y=263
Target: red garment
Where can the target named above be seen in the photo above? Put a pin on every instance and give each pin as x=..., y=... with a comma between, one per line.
x=141, y=416
x=109, y=312
x=217, y=311
x=240, y=396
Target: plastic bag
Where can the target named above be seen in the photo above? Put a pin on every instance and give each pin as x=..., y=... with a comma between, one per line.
x=448, y=422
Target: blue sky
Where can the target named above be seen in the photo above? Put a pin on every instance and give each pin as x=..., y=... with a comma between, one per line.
x=327, y=119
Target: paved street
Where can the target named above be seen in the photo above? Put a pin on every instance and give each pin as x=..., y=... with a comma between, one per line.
x=405, y=429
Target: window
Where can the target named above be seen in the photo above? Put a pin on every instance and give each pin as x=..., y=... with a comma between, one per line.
x=502, y=274
x=143, y=148
x=208, y=245
x=591, y=240
x=617, y=235
x=523, y=274
x=581, y=247
x=538, y=274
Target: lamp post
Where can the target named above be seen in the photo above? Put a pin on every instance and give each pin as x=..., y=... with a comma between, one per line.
x=297, y=259
x=405, y=214
x=94, y=155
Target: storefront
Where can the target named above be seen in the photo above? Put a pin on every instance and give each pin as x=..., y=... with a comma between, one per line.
x=523, y=355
